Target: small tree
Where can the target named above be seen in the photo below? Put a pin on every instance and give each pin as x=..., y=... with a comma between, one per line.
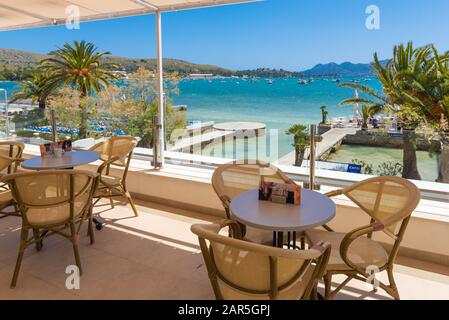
x=367, y=113
x=132, y=107
x=324, y=114
x=35, y=89
x=300, y=142
x=67, y=105
x=390, y=168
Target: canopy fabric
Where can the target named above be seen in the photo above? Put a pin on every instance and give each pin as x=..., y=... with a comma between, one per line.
x=25, y=14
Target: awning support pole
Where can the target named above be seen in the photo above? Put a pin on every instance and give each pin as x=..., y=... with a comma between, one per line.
x=159, y=162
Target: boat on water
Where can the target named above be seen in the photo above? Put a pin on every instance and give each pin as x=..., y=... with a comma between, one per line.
x=304, y=81
x=336, y=80
x=270, y=81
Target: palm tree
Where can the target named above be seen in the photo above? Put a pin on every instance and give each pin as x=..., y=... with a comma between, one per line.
x=429, y=92
x=299, y=133
x=406, y=59
x=34, y=89
x=324, y=114
x=367, y=113
x=81, y=67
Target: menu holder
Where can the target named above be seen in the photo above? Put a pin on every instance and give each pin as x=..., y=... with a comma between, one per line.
x=53, y=148
x=280, y=192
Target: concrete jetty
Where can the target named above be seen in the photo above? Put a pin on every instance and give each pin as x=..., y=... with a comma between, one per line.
x=330, y=139
x=189, y=144
x=198, y=138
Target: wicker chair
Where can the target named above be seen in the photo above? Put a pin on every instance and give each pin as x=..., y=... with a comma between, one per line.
x=389, y=203
x=52, y=202
x=231, y=179
x=115, y=151
x=10, y=158
x=241, y=270
x=6, y=202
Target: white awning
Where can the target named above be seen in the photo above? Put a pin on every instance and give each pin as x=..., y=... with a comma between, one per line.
x=25, y=14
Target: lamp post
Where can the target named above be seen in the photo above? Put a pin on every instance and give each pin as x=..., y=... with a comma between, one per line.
x=6, y=112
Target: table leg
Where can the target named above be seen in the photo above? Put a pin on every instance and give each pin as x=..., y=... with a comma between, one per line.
x=289, y=239
x=294, y=240
x=274, y=239
x=280, y=237
x=98, y=223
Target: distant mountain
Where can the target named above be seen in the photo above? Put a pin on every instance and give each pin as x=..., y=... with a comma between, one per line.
x=14, y=59
x=343, y=69
x=15, y=63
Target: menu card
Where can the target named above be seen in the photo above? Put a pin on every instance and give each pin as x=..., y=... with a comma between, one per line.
x=49, y=148
x=280, y=192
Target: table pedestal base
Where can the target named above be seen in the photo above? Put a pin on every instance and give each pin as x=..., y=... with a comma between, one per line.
x=278, y=241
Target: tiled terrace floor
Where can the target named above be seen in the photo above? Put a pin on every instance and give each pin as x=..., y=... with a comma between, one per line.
x=154, y=256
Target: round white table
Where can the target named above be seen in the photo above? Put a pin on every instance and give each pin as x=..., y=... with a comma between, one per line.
x=315, y=210
x=68, y=160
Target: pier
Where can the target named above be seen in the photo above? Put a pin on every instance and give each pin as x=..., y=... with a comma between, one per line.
x=332, y=138
x=200, y=135
x=189, y=144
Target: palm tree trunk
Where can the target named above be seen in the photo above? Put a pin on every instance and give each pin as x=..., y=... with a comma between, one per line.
x=299, y=156
x=443, y=163
x=410, y=163
x=82, y=129
x=41, y=110
x=365, y=125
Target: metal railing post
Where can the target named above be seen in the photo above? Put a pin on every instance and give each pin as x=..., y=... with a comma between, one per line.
x=160, y=90
x=312, y=139
x=156, y=127
x=54, y=129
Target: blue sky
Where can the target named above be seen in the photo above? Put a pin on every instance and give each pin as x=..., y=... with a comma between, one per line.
x=290, y=34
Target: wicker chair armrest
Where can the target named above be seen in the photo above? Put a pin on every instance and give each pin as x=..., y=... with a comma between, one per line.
x=105, y=164
x=352, y=236
x=97, y=147
x=325, y=249
x=334, y=193
x=233, y=226
x=225, y=200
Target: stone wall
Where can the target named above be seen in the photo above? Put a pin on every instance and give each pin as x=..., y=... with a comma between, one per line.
x=388, y=142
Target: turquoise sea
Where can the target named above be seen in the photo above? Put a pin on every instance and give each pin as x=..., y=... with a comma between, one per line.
x=279, y=105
